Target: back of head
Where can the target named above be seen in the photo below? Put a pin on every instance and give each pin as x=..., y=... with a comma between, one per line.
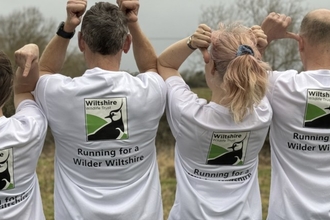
x=104, y=28
x=315, y=27
x=243, y=76
x=6, y=78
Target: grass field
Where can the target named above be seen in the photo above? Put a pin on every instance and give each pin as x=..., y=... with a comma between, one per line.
x=167, y=176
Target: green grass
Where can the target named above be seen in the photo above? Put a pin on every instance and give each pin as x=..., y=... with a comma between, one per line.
x=264, y=181
x=203, y=93
x=45, y=171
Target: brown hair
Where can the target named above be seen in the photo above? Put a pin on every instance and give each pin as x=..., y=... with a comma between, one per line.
x=6, y=78
x=243, y=78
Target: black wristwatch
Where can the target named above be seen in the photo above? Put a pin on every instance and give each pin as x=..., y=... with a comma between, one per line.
x=60, y=32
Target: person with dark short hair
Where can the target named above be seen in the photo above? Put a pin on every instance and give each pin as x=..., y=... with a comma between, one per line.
x=104, y=122
x=22, y=138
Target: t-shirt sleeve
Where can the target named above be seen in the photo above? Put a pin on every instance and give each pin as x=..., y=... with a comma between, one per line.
x=158, y=85
x=179, y=99
x=273, y=78
x=47, y=86
x=31, y=120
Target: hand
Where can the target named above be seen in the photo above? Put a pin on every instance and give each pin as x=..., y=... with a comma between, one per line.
x=261, y=37
x=275, y=27
x=27, y=57
x=130, y=8
x=75, y=10
x=201, y=39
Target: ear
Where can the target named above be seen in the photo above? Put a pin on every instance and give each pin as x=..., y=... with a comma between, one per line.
x=127, y=43
x=81, y=42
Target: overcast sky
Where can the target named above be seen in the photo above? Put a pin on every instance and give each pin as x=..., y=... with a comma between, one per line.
x=163, y=21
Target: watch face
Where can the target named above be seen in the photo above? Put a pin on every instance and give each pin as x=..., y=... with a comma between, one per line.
x=61, y=26
x=189, y=44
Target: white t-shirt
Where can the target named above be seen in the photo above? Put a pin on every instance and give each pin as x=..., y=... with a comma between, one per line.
x=21, y=141
x=104, y=125
x=299, y=138
x=216, y=160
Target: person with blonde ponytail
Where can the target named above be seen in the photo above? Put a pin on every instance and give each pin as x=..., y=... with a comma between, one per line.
x=217, y=142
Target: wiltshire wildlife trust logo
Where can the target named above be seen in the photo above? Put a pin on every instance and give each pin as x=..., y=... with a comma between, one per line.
x=317, y=114
x=106, y=119
x=228, y=148
x=6, y=169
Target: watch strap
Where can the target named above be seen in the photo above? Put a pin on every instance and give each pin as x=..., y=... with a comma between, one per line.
x=62, y=33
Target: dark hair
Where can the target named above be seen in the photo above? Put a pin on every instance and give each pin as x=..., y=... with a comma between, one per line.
x=104, y=28
x=6, y=78
x=244, y=78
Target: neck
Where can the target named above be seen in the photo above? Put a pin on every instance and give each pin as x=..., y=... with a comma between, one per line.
x=1, y=113
x=317, y=65
x=217, y=94
x=317, y=58
x=106, y=62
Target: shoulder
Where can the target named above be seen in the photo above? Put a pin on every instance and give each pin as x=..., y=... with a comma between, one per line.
x=29, y=109
x=180, y=95
x=29, y=119
x=151, y=76
x=50, y=83
x=56, y=76
x=274, y=76
x=175, y=83
x=264, y=109
x=152, y=79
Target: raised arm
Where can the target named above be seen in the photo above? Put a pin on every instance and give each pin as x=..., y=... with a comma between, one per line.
x=275, y=27
x=172, y=57
x=261, y=37
x=53, y=56
x=27, y=73
x=144, y=53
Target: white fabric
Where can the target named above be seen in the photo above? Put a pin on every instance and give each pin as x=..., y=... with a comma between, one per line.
x=208, y=191
x=22, y=138
x=300, y=182
x=106, y=179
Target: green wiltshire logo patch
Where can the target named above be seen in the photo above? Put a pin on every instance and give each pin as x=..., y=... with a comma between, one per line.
x=6, y=169
x=228, y=148
x=106, y=119
x=317, y=113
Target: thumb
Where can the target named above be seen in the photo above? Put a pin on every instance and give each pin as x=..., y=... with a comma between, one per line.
x=27, y=67
x=206, y=55
x=292, y=36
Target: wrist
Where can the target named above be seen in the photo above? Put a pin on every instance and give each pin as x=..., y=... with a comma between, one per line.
x=65, y=31
x=189, y=43
x=69, y=28
x=133, y=25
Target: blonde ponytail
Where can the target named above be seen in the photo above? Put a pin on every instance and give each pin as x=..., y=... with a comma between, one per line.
x=243, y=76
x=245, y=83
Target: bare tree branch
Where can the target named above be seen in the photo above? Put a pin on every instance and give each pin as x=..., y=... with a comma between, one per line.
x=281, y=55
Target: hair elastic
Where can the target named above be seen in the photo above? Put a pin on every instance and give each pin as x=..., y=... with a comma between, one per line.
x=244, y=50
